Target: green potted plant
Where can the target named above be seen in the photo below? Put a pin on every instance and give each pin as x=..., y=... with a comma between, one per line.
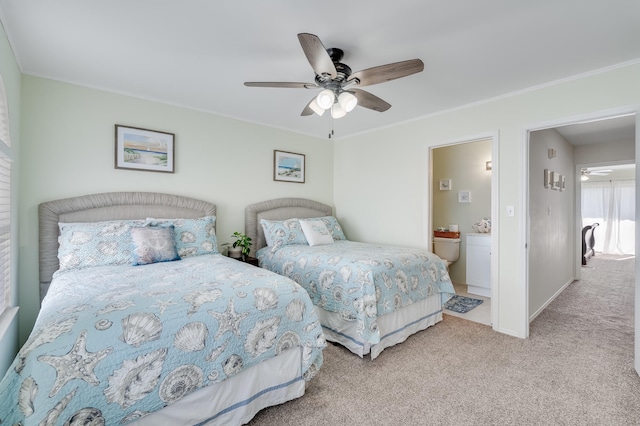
x=242, y=246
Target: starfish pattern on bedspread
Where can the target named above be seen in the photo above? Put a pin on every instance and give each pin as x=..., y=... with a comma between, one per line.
x=75, y=364
x=229, y=320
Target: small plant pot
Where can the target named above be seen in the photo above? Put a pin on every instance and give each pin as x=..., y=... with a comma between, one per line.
x=235, y=252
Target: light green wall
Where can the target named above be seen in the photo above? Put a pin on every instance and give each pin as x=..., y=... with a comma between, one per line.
x=68, y=137
x=11, y=79
x=383, y=195
x=465, y=165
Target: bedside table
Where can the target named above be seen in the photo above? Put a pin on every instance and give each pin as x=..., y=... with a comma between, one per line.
x=248, y=259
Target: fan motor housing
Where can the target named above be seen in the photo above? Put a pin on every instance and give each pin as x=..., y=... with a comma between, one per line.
x=343, y=70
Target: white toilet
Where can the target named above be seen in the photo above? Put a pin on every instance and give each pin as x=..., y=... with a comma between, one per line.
x=447, y=249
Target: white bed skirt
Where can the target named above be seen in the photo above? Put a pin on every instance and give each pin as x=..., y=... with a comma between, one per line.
x=394, y=327
x=238, y=399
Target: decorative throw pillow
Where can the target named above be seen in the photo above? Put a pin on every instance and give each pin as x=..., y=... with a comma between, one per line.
x=85, y=244
x=278, y=233
x=333, y=226
x=153, y=244
x=193, y=237
x=316, y=232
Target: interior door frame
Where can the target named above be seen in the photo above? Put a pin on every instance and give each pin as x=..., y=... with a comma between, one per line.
x=494, y=136
x=597, y=115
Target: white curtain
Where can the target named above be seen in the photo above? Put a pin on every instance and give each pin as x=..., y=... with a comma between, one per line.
x=612, y=205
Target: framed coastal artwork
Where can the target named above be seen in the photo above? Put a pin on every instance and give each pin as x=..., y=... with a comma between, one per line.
x=288, y=166
x=144, y=149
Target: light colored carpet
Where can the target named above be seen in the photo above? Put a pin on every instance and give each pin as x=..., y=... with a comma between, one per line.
x=575, y=369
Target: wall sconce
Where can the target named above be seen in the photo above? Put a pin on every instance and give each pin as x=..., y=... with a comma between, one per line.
x=488, y=165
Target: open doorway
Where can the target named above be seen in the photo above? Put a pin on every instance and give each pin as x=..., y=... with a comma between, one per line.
x=555, y=221
x=462, y=195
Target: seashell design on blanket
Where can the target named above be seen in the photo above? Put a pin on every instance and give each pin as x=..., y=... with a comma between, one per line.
x=54, y=413
x=103, y=324
x=262, y=336
x=345, y=273
x=27, y=395
x=133, y=416
x=199, y=298
x=135, y=379
x=232, y=365
x=191, y=337
x=48, y=333
x=326, y=278
x=289, y=340
x=265, y=298
x=401, y=281
x=180, y=382
x=216, y=352
x=140, y=327
x=87, y=416
x=295, y=310
x=117, y=306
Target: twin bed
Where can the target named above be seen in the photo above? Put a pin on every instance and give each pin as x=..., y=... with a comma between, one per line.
x=143, y=322
x=367, y=296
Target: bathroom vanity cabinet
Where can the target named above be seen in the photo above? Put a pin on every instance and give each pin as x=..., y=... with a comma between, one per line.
x=479, y=264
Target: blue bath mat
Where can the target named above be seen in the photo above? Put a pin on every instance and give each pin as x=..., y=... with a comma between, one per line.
x=462, y=304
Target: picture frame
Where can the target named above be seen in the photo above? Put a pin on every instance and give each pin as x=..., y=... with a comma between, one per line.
x=445, y=184
x=547, y=178
x=554, y=181
x=464, y=196
x=288, y=166
x=143, y=149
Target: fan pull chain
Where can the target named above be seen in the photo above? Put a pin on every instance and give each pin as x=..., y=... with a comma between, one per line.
x=331, y=130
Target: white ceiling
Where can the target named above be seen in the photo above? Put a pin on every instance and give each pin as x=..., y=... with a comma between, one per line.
x=198, y=53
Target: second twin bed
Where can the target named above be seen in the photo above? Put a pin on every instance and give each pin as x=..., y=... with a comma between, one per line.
x=367, y=296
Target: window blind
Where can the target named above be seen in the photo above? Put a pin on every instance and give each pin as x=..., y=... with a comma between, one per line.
x=5, y=202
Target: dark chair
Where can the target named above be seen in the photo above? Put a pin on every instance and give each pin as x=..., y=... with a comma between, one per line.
x=588, y=242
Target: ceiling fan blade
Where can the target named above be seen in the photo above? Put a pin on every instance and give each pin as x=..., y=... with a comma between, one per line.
x=367, y=100
x=307, y=109
x=280, y=84
x=387, y=72
x=317, y=55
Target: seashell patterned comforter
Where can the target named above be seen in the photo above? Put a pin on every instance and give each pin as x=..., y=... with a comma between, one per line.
x=112, y=343
x=361, y=281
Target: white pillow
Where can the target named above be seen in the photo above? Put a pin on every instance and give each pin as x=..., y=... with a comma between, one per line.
x=316, y=232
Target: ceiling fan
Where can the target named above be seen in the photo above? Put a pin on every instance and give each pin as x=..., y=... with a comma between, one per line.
x=585, y=173
x=337, y=81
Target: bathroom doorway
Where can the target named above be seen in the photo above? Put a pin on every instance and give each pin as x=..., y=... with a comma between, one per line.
x=462, y=194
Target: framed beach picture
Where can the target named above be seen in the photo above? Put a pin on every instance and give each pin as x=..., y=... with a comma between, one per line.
x=288, y=167
x=144, y=149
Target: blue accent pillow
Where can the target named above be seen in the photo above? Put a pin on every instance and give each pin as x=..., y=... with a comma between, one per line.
x=152, y=244
x=278, y=233
x=193, y=237
x=86, y=244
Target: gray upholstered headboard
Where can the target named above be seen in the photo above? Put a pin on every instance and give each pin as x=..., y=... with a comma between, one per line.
x=106, y=206
x=279, y=209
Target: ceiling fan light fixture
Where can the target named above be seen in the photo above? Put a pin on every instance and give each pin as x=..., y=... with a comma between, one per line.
x=325, y=99
x=347, y=101
x=337, y=111
x=584, y=178
x=315, y=107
